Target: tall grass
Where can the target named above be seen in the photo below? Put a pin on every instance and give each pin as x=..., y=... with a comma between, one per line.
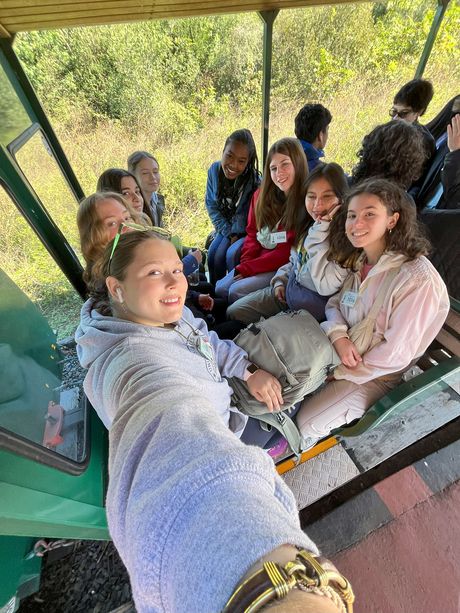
x=356, y=109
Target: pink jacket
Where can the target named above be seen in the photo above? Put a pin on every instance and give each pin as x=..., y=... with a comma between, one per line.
x=412, y=314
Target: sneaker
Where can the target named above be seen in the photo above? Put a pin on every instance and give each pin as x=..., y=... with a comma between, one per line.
x=308, y=442
x=279, y=449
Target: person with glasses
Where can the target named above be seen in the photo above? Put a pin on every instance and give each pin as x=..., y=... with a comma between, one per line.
x=410, y=103
x=412, y=100
x=202, y=521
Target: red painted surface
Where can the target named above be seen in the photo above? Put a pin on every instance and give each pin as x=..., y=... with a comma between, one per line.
x=403, y=490
x=411, y=565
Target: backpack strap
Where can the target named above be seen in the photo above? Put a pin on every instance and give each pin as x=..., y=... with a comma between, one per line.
x=380, y=297
x=381, y=294
x=284, y=424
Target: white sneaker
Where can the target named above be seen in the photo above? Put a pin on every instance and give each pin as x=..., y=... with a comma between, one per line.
x=308, y=442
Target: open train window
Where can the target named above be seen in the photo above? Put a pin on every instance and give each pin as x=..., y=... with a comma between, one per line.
x=42, y=404
x=13, y=116
x=36, y=159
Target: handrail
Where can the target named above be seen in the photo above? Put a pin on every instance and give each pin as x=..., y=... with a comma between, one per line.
x=432, y=34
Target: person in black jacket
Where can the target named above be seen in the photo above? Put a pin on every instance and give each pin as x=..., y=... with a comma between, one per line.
x=409, y=104
x=430, y=194
x=443, y=221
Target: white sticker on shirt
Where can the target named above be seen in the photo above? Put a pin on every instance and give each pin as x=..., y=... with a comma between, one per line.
x=349, y=299
x=205, y=348
x=278, y=237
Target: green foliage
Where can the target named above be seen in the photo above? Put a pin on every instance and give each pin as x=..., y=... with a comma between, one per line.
x=178, y=88
x=172, y=76
x=13, y=117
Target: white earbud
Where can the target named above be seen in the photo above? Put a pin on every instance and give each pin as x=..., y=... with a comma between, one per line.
x=119, y=295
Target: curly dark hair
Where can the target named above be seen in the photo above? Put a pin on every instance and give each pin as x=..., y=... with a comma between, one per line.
x=395, y=151
x=310, y=121
x=416, y=94
x=407, y=237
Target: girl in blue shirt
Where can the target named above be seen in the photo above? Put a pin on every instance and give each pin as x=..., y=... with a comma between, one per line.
x=229, y=189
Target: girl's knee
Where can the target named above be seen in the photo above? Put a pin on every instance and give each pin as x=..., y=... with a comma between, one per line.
x=232, y=312
x=319, y=426
x=316, y=421
x=233, y=294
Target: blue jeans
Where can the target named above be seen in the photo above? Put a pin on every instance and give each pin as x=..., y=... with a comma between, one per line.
x=231, y=290
x=300, y=297
x=222, y=256
x=234, y=253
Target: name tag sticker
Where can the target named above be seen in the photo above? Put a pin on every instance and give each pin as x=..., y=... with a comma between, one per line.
x=205, y=348
x=349, y=299
x=278, y=237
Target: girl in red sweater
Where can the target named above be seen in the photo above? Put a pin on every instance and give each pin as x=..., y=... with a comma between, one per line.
x=276, y=217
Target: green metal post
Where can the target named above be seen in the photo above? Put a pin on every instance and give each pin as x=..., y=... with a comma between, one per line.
x=41, y=222
x=438, y=17
x=268, y=17
x=28, y=97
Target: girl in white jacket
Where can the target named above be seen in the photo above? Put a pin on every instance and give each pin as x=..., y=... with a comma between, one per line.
x=392, y=291
x=310, y=277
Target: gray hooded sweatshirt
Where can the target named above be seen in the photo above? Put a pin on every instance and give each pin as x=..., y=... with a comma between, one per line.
x=190, y=508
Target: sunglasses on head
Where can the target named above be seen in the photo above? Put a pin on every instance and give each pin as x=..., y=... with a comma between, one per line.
x=130, y=225
x=402, y=114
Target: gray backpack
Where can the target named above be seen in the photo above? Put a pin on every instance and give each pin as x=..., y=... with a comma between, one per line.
x=292, y=347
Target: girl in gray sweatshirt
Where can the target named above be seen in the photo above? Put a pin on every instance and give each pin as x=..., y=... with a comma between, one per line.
x=190, y=508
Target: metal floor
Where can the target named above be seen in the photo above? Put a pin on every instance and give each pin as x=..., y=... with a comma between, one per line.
x=326, y=472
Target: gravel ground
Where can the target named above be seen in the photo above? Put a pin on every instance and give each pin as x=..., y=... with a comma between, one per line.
x=90, y=579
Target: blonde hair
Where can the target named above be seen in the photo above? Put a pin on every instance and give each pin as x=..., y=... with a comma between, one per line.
x=93, y=234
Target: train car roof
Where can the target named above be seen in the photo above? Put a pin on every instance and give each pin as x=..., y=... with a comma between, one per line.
x=22, y=15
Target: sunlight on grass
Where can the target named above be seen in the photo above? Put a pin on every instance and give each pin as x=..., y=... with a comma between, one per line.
x=356, y=109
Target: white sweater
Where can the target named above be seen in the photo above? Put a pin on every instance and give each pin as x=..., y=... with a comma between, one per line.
x=315, y=272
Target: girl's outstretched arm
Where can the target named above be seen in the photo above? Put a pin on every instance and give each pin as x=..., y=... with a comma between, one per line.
x=186, y=496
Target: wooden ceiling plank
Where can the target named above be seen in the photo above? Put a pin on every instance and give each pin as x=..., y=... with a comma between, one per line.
x=77, y=8
x=108, y=6
x=149, y=5
x=4, y=32
x=179, y=9
x=6, y=5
